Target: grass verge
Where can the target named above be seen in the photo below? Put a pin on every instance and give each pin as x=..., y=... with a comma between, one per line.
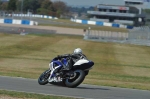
x=21, y=95
x=117, y=65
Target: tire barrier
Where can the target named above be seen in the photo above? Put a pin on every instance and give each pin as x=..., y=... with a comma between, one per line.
x=9, y=21
x=99, y=23
x=14, y=21
x=25, y=22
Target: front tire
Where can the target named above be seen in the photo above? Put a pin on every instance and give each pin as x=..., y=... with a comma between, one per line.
x=78, y=78
x=43, y=79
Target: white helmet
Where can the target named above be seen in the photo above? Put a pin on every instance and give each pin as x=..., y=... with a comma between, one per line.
x=77, y=51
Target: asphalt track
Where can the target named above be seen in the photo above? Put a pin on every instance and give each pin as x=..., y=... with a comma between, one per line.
x=82, y=91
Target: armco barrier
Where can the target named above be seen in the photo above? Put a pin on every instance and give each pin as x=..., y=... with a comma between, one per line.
x=14, y=21
x=25, y=30
x=102, y=23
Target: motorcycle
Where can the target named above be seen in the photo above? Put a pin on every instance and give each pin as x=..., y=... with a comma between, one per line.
x=71, y=78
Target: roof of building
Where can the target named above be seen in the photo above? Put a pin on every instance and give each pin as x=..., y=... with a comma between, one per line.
x=134, y=1
x=118, y=5
x=113, y=5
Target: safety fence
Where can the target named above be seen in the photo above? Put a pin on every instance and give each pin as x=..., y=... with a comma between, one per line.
x=106, y=35
x=32, y=15
x=142, y=32
x=138, y=36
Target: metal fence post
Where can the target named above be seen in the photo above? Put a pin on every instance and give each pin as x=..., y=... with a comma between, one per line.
x=89, y=32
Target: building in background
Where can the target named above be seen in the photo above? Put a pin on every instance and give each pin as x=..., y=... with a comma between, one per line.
x=131, y=13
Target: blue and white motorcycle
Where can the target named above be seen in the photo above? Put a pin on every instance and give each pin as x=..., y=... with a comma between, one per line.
x=71, y=78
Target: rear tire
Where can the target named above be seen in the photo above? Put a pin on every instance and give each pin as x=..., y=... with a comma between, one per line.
x=43, y=79
x=76, y=80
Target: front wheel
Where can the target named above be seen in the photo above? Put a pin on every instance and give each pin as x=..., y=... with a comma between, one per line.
x=77, y=79
x=43, y=79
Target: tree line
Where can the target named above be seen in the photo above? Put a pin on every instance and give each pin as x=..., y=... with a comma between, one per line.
x=45, y=7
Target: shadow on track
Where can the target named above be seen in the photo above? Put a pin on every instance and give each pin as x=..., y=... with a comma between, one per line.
x=92, y=88
x=59, y=84
x=79, y=87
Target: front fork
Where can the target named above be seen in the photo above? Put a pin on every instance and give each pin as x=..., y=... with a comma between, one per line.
x=54, y=77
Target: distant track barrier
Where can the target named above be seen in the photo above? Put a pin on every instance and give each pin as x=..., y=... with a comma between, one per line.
x=99, y=23
x=14, y=21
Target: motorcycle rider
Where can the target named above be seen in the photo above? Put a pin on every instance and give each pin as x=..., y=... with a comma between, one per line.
x=72, y=58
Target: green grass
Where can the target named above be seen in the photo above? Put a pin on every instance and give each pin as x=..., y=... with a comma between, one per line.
x=22, y=95
x=117, y=65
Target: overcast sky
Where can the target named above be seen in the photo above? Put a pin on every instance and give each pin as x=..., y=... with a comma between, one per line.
x=95, y=2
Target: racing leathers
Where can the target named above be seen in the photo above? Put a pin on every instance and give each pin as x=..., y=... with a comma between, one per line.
x=71, y=58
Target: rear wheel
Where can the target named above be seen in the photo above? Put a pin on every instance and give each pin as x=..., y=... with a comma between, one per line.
x=77, y=79
x=43, y=79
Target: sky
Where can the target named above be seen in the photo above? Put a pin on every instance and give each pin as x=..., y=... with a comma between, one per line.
x=95, y=2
